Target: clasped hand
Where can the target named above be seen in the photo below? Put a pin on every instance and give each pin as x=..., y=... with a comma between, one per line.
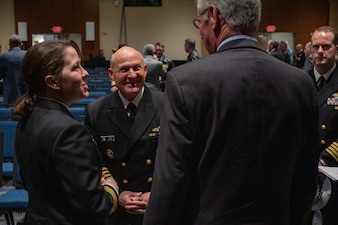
x=134, y=202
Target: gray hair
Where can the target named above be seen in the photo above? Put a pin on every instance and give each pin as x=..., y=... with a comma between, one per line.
x=241, y=15
x=14, y=40
x=148, y=49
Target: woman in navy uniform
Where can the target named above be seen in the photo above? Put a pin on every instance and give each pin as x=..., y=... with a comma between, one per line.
x=60, y=164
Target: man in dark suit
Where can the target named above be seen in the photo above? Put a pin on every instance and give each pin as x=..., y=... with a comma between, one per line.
x=324, y=42
x=10, y=67
x=273, y=50
x=190, y=48
x=155, y=70
x=168, y=64
x=127, y=137
x=238, y=131
x=300, y=56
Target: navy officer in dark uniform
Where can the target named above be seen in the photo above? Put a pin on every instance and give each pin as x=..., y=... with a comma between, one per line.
x=126, y=125
x=324, y=42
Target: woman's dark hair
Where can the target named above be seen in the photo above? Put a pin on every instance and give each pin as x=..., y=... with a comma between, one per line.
x=46, y=58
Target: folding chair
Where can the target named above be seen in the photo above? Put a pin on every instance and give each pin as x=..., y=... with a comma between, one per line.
x=7, y=128
x=78, y=112
x=83, y=102
x=14, y=199
x=97, y=94
x=5, y=113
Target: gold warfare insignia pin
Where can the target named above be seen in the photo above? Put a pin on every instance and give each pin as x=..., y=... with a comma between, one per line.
x=156, y=129
x=110, y=153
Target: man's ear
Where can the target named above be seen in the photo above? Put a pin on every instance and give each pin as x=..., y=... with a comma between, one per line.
x=50, y=82
x=145, y=69
x=216, y=19
x=111, y=74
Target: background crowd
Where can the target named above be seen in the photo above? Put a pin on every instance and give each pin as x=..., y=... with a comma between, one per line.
x=235, y=137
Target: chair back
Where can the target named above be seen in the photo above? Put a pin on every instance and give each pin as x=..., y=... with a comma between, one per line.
x=1, y=155
x=83, y=102
x=17, y=179
x=5, y=113
x=77, y=112
x=8, y=128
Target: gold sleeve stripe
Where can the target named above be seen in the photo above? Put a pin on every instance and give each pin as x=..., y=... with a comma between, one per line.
x=333, y=151
x=335, y=144
x=106, y=173
x=113, y=193
x=106, y=176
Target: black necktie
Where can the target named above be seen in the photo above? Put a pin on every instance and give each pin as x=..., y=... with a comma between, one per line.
x=321, y=82
x=131, y=110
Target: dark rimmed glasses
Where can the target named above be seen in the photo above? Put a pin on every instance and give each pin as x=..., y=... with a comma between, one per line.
x=196, y=22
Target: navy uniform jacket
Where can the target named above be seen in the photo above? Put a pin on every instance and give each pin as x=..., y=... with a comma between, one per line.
x=328, y=133
x=128, y=150
x=61, y=168
x=238, y=142
x=328, y=118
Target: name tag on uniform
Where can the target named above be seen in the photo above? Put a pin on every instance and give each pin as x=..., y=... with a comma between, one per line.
x=107, y=138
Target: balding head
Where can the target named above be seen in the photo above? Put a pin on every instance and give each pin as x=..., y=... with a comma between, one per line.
x=122, y=54
x=128, y=70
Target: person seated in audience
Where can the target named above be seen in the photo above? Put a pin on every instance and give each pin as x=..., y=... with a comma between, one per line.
x=99, y=61
x=60, y=165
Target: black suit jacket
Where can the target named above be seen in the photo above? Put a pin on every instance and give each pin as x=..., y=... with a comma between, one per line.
x=128, y=149
x=328, y=118
x=61, y=168
x=238, y=143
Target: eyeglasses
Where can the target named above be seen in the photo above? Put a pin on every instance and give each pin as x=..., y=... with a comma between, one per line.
x=196, y=21
x=324, y=47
